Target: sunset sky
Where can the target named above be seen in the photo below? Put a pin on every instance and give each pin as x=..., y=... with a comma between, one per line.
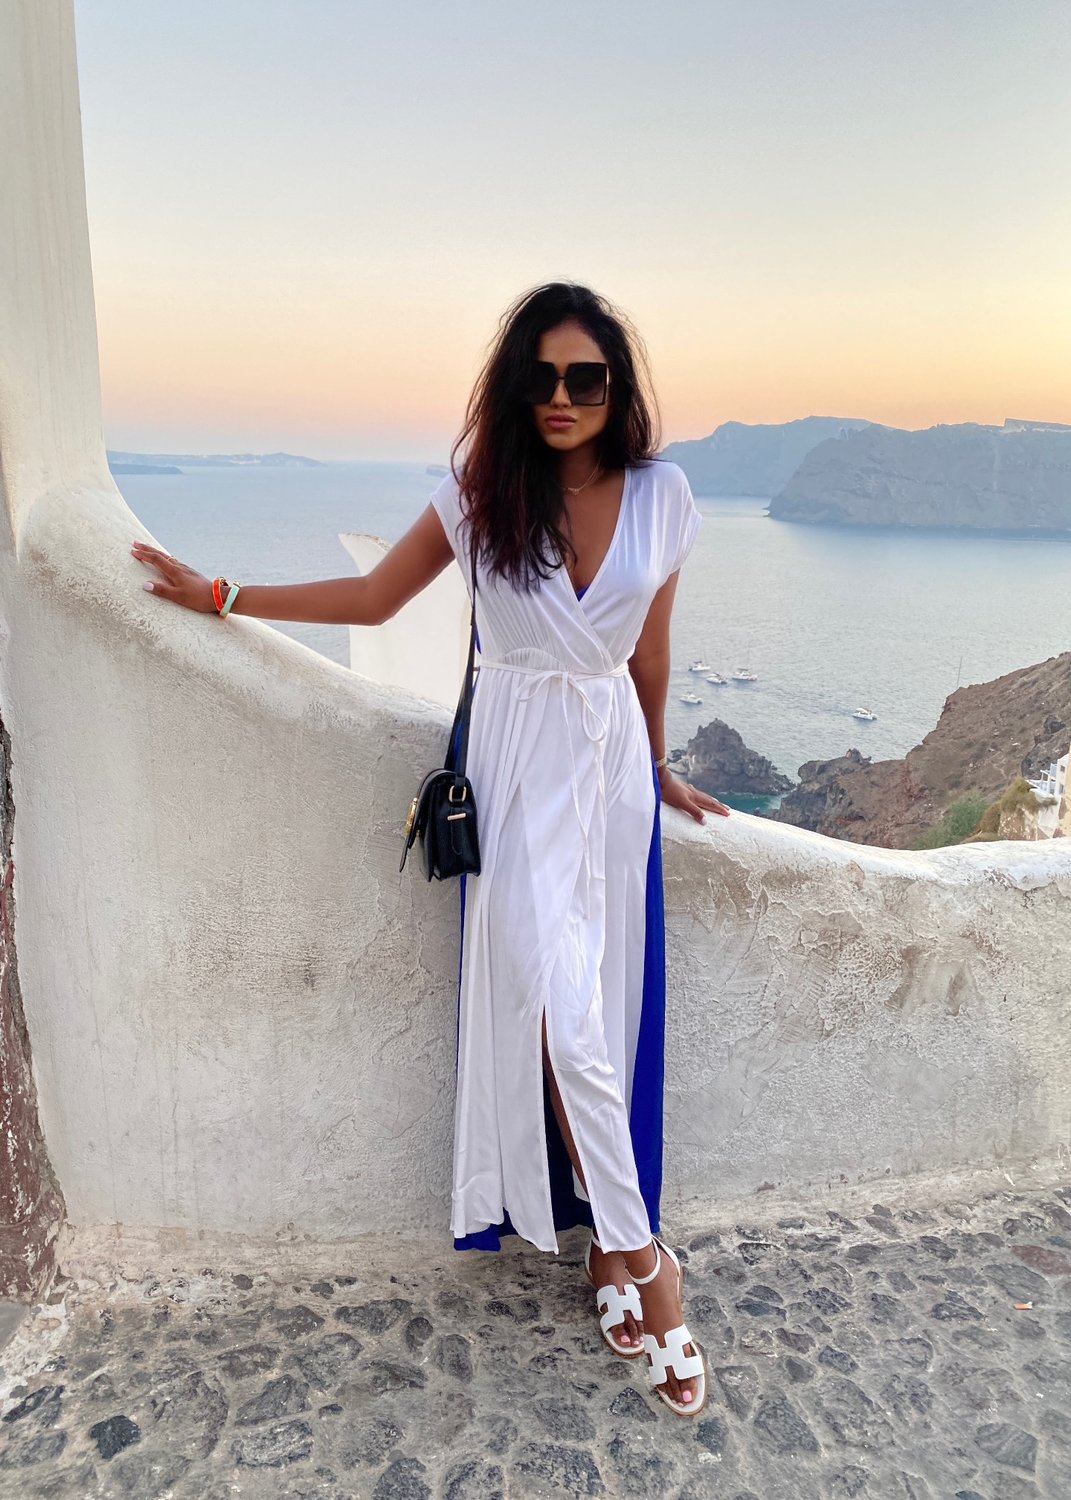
x=307, y=218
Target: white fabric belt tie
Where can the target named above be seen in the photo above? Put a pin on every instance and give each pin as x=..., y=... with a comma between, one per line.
x=568, y=678
x=575, y=681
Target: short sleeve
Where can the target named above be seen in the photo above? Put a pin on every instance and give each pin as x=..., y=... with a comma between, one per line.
x=683, y=520
x=446, y=498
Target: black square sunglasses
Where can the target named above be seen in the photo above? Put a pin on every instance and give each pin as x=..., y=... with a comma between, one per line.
x=586, y=383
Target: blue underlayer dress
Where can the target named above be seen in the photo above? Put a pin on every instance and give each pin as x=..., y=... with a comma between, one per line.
x=645, y=1109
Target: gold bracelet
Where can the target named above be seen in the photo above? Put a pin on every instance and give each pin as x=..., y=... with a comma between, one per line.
x=660, y=763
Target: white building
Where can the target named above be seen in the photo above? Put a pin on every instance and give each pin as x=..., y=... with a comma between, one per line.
x=1050, y=789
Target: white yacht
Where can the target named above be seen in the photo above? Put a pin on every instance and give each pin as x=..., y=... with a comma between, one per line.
x=690, y=698
x=742, y=674
x=717, y=679
x=699, y=666
x=863, y=713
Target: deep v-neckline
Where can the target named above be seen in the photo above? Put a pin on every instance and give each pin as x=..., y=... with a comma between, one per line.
x=585, y=592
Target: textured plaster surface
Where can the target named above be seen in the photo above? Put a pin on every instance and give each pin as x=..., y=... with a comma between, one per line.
x=11, y=1315
x=840, y=1012
x=242, y=1018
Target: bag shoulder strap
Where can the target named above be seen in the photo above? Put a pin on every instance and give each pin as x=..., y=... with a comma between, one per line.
x=458, y=743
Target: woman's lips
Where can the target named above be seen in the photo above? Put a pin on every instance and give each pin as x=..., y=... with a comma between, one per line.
x=560, y=421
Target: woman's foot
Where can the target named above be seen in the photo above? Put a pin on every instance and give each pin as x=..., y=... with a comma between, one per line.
x=662, y=1311
x=607, y=1268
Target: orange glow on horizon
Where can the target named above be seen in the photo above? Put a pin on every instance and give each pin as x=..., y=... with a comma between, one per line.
x=368, y=367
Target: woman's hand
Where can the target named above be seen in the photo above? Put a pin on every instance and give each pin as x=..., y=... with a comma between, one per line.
x=179, y=583
x=678, y=793
x=365, y=599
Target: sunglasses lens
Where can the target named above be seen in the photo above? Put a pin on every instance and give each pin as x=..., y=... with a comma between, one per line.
x=541, y=383
x=586, y=384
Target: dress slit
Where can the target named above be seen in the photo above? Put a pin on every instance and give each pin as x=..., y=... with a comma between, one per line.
x=568, y=1208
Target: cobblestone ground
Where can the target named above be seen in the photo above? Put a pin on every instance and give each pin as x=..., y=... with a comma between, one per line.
x=910, y=1353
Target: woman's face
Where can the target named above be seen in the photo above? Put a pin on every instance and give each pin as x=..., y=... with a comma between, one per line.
x=562, y=425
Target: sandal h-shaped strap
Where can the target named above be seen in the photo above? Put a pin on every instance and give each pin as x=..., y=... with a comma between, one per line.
x=670, y=1355
x=613, y=1305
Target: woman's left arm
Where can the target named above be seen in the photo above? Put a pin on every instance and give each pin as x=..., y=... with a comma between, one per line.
x=649, y=666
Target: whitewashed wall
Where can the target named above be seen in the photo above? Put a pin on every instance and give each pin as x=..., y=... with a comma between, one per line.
x=425, y=646
x=242, y=1017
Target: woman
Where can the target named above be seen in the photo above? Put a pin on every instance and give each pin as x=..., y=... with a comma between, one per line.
x=578, y=535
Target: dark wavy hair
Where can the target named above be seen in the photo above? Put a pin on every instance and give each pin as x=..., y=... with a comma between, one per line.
x=509, y=480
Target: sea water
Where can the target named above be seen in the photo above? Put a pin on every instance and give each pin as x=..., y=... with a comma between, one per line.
x=829, y=618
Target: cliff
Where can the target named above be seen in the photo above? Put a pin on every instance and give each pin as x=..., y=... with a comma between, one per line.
x=1011, y=478
x=717, y=761
x=741, y=459
x=988, y=734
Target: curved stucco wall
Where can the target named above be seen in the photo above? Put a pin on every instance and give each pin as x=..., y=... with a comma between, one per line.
x=242, y=1017
x=425, y=647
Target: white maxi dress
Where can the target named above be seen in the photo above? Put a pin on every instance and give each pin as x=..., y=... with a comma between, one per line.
x=554, y=925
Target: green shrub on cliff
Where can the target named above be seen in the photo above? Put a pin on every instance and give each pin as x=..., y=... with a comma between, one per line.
x=1004, y=817
x=960, y=820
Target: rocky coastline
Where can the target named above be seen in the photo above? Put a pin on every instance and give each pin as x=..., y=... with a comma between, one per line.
x=717, y=761
x=988, y=734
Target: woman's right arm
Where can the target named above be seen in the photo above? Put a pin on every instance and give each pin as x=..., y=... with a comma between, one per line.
x=410, y=565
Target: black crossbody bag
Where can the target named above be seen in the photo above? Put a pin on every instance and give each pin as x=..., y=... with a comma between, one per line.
x=443, y=812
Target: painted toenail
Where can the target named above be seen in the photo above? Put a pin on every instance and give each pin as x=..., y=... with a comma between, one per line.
x=687, y=1396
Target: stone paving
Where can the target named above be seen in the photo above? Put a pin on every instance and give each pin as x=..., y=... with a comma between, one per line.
x=917, y=1353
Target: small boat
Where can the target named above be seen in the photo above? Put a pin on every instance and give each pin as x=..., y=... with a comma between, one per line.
x=699, y=666
x=742, y=674
x=690, y=698
x=863, y=713
x=717, y=679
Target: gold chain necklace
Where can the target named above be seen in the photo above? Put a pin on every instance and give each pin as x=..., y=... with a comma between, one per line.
x=575, y=489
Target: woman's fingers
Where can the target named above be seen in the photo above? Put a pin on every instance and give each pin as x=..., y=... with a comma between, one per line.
x=680, y=794
x=169, y=566
x=178, y=582
x=695, y=803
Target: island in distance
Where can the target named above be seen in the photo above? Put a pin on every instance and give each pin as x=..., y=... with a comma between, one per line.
x=740, y=458
x=843, y=471
x=174, y=463
x=968, y=476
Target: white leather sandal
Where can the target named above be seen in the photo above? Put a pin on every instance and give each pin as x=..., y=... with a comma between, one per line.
x=613, y=1305
x=670, y=1356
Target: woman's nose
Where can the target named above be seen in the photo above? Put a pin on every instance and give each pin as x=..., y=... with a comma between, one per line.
x=561, y=396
